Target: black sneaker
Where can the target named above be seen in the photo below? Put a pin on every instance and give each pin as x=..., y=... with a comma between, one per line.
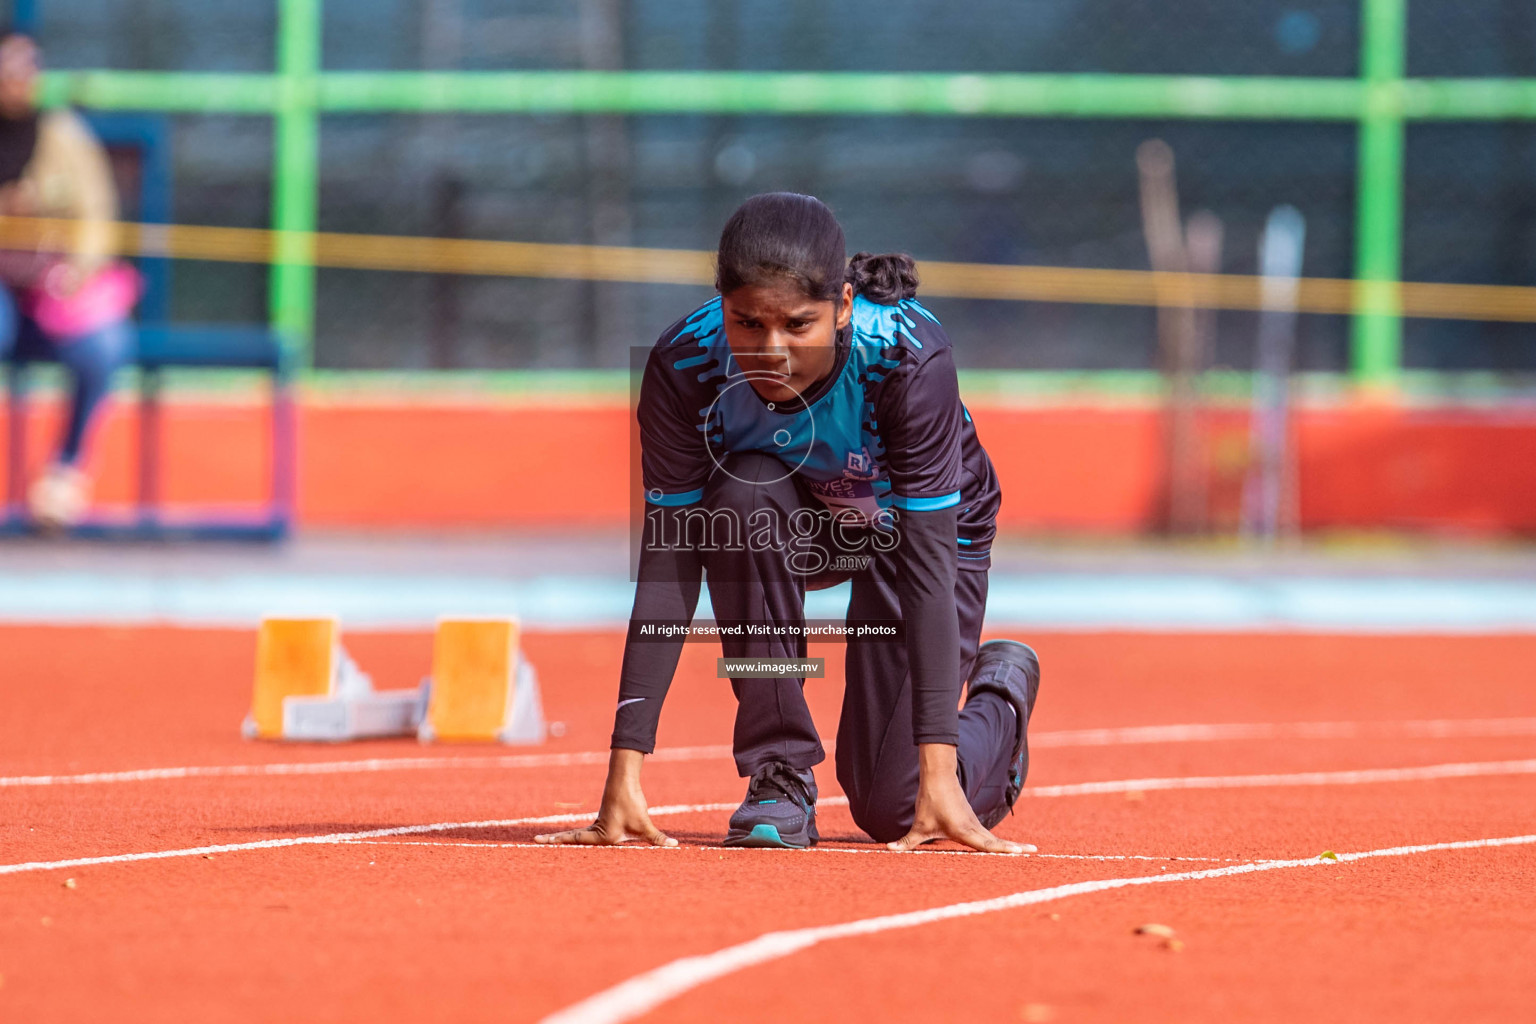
x=780, y=810
x=1012, y=671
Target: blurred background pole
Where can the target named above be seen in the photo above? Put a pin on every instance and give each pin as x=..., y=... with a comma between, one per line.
x=24, y=16
x=608, y=321
x=295, y=176
x=442, y=49
x=1178, y=336
x=1203, y=237
x=1269, y=493
x=1377, y=333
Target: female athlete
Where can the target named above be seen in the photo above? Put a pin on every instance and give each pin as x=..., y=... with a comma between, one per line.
x=804, y=428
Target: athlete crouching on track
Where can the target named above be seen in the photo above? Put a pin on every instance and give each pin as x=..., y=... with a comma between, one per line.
x=805, y=428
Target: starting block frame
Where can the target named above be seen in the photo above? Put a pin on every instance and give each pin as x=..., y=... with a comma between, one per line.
x=309, y=689
x=482, y=689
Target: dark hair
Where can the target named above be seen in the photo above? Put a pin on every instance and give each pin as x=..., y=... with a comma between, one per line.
x=786, y=235
x=886, y=279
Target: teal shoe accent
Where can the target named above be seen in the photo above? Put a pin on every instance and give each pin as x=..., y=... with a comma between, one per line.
x=767, y=835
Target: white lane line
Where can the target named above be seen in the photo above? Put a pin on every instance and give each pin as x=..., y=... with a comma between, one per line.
x=644, y=992
x=874, y=848
x=1450, y=728
x=1356, y=777
x=1344, y=778
x=375, y=764
x=1440, y=728
x=513, y=846
x=341, y=837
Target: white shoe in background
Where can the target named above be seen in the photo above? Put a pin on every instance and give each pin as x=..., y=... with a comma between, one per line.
x=59, y=497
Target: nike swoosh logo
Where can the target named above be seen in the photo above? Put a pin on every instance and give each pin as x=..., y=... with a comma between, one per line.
x=631, y=700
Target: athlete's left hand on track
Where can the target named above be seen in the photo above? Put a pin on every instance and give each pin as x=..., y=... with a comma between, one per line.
x=623, y=816
x=942, y=810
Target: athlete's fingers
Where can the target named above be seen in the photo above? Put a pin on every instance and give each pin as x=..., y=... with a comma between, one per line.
x=589, y=836
x=996, y=845
x=909, y=842
x=657, y=837
x=557, y=838
x=978, y=838
x=984, y=841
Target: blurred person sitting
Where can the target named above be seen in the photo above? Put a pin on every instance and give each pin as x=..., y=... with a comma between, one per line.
x=62, y=295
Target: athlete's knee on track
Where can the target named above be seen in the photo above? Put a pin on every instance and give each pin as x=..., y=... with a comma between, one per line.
x=884, y=824
x=885, y=818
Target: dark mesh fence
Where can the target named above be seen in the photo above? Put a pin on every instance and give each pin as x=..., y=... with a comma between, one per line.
x=158, y=35
x=972, y=190
x=1470, y=217
x=1049, y=192
x=1203, y=37
x=1471, y=38
x=222, y=175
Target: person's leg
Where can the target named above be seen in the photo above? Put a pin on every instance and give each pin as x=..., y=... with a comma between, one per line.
x=1007, y=671
x=15, y=479
x=876, y=757
x=92, y=359
x=750, y=510
x=988, y=724
x=10, y=321
x=749, y=586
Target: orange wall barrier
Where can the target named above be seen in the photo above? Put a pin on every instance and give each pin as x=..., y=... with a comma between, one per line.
x=503, y=463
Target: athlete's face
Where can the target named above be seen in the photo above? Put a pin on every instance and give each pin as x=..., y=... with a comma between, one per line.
x=784, y=341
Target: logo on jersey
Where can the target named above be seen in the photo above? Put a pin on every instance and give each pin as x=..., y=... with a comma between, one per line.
x=860, y=466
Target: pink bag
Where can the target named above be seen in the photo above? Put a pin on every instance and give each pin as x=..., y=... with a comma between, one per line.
x=108, y=296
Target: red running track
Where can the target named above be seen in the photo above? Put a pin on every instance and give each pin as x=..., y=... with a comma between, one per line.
x=471, y=924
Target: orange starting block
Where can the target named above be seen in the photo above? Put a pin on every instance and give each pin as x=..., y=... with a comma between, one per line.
x=482, y=688
x=309, y=688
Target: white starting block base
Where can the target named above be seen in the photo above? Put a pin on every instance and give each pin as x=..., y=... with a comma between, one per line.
x=525, y=722
x=353, y=710
x=334, y=719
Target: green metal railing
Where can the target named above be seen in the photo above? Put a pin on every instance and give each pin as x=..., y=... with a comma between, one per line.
x=1381, y=101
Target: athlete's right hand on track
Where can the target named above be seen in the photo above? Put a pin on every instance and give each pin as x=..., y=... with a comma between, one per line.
x=623, y=815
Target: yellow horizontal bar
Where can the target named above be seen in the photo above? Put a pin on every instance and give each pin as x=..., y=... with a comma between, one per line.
x=1081, y=285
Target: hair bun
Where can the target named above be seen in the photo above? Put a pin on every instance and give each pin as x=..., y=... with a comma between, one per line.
x=886, y=279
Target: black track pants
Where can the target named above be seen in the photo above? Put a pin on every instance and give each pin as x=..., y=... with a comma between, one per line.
x=876, y=756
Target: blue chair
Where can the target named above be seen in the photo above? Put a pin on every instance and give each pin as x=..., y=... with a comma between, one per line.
x=161, y=346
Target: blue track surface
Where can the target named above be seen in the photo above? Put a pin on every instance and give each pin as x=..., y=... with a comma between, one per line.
x=1169, y=602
